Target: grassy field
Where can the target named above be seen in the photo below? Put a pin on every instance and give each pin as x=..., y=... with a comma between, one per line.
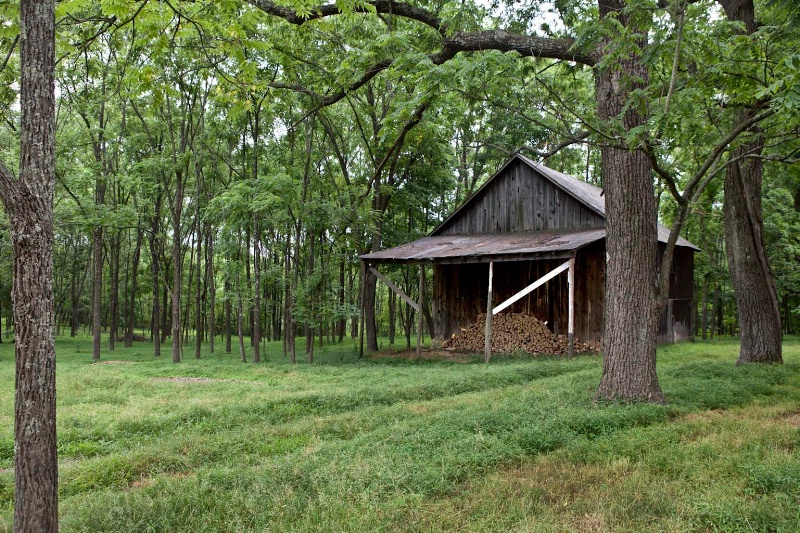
x=401, y=445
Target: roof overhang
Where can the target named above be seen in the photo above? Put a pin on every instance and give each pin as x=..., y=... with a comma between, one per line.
x=552, y=244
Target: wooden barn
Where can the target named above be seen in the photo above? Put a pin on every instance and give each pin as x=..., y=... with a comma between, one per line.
x=525, y=223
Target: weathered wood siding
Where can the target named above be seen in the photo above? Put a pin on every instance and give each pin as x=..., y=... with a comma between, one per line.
x=523, y=200
x=459, y=294
x=677, y=319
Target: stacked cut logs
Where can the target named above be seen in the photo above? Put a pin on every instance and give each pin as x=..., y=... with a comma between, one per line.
x=513, y=332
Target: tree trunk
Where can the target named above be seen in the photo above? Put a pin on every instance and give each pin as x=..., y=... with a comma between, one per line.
x=704, y=318
x=113, y=307
x=240, y=318
x=212, y=289
x=756, y=296
x=156, y=314
x=198, y=289
x=97, y=291
x=753, y=283
x=177, y=269
x=228, y=348
x=28, y=200
x=134, y=285
x=341, y=325
x=629, y=358
x=256, y=290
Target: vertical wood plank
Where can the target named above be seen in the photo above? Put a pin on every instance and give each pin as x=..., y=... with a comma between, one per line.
x=571, y=283
x=419, y=313
x=487, y=342
x=361, y=302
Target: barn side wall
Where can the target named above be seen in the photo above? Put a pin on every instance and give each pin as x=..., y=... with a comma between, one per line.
x=521, y=200
x=677, y=319
x=459, y=294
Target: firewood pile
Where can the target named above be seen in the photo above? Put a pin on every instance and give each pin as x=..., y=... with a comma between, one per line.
x=512, y=332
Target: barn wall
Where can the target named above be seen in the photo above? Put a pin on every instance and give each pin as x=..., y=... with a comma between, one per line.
x=677, y=319
x=521, y=200
x=459, y=294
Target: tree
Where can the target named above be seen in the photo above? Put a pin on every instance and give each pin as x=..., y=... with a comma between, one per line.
x=28, y=200
x=748, y=264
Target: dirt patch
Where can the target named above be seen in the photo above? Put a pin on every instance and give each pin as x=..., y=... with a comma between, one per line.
x=115, y=362
x=200, y=380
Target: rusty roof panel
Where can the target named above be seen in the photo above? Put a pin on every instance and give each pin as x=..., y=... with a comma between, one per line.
x=485, y=246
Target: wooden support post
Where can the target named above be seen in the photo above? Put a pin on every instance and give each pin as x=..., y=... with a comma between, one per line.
x=487, y=344
x=361, y=303
x=571, y=284
x=419, y=310
x=670, y=322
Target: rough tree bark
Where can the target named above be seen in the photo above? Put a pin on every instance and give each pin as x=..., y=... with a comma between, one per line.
x=629, y=358
x=28, y=200
x=753, y=283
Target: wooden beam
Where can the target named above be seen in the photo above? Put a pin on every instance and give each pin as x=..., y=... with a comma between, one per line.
x=571, y=326
x=419, y=310
x=361, y=305
x=396, y=289
x=533, y=286
x=487, y=343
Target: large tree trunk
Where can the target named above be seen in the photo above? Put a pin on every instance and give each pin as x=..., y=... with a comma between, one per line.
x=629, y=358
x=28, y=200
x=756, y=297
x=753, y=283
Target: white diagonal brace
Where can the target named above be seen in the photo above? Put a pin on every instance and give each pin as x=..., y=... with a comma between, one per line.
x=532, y=287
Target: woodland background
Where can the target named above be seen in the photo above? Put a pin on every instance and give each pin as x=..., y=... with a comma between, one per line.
x=220, y=170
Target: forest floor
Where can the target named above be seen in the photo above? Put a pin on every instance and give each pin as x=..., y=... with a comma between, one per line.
x=396, y=443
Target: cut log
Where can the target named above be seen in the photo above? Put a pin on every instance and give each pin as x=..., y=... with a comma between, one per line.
x=513, y=332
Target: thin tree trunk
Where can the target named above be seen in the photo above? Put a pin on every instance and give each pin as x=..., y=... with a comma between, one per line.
x=177, y=268
x=97, y=291
x=256, y=290
x=154, y=255
x=704, y=319
x=133, y=289
x=392, y=316
x=114, y=296
x=240, y=317
x=227, y=306
x=212, y=288
x=198, y=290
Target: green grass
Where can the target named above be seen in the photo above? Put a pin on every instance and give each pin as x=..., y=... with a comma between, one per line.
x=403, y=445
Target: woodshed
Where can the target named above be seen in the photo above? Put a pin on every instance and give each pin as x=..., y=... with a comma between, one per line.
x=525, y=222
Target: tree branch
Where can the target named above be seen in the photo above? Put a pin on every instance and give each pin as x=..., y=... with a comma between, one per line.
x=381, y=6
x=502, y=40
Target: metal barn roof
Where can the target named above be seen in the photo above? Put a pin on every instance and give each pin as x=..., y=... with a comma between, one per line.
x=512, y=246
x=484, y=247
